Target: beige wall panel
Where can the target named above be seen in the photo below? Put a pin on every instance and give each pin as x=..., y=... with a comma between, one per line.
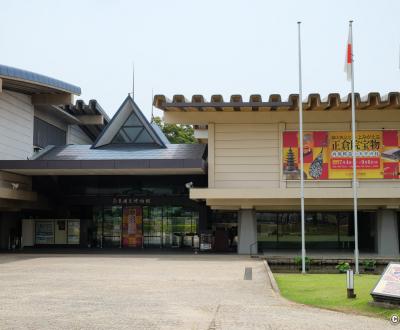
x=259, y=143
x=222, y=160
x=211, y=155
x=247, y=184
x=240, y=128
x=247, y=176
x=268, y=117
x=249, y=152
x=380, y=184
x=247, y=135
x=320, y=126
x=319, y=184
x=246, y=169
x=379, y=125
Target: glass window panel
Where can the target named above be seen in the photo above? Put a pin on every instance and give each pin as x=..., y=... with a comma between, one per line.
x=321, y=230
x=120, y=138
x=44, y=232
x=144, y=137
x=267, y=230
x=112, y=226
x=346, y=230
x=132, y=132
x=97, y=230
x=133, y=120
x=73, y=232
x=289, y=234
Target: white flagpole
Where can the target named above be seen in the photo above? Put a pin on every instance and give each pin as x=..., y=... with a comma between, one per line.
x=303, y=245
x=353, y=126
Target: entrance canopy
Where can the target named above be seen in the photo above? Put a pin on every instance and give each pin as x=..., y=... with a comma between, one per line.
x=121, y=159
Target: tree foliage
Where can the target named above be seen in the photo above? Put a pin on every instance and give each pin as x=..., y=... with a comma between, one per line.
x=176, y=133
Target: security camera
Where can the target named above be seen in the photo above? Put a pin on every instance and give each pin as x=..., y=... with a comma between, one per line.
x=15, y=186
x=189, y=185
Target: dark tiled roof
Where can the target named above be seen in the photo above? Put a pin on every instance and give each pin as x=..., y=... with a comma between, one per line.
x=11, y=74
x=124, y=152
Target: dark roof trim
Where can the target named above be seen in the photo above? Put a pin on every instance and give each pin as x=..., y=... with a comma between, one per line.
x=102, y=164
x=313, y=101
x=37, y=79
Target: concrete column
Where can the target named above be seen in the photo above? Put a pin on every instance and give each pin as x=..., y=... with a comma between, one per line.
x=387, y=233
x=247, y=232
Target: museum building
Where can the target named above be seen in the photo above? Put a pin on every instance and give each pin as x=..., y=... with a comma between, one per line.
x=71, y=177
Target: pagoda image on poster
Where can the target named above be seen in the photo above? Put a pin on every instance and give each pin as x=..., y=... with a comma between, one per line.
x=314, y=156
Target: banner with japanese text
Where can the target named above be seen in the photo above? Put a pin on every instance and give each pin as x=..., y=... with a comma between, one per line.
x=328, y=155
x=132, y=235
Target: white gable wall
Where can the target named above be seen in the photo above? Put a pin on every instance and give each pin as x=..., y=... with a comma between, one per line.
x=16, y=126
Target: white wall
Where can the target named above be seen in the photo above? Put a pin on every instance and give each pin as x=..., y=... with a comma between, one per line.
x=76, y=136
x=246, y=155
x=16, y=126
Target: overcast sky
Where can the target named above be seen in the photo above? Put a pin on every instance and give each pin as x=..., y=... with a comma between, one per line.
x=201, y=47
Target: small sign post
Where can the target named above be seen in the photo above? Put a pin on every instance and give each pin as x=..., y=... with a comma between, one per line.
x=350, y=283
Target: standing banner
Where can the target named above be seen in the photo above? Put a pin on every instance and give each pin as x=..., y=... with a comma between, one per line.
x=132, y=222
x=328, y=155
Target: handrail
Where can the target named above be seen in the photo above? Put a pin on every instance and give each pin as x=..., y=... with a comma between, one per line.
x=251, y=248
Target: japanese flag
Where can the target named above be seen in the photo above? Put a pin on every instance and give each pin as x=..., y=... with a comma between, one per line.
x=349, y=57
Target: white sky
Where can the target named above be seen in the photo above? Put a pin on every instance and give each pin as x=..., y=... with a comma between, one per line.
x=201, y=47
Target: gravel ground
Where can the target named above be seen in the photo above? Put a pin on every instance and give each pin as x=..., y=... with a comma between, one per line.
x=152, y=292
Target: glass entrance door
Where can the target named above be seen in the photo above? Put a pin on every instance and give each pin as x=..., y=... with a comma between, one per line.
x=112, y=226
x=153, y=226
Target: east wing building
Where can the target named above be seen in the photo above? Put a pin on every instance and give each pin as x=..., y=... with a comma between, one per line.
x=253, y=168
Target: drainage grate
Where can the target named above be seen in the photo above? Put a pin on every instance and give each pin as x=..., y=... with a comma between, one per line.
x=248, y=273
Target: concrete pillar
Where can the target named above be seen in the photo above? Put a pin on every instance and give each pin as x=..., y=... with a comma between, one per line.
x=387, y=233
x=247, y=232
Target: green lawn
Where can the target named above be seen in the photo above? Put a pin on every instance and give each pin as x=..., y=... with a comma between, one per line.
x=329, y=291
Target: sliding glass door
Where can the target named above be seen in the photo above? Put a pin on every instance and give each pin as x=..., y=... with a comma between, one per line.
x=112, y=222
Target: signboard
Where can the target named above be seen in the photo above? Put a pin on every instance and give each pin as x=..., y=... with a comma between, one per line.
x=44, y=232
x=74, y=228
x=132, y=235
x=388, y=287
x=328, y=155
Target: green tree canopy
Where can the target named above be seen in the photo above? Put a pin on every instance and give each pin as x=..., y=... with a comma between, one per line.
x=176, y=133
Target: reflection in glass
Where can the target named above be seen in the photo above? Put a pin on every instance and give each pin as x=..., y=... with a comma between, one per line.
x=112, y=226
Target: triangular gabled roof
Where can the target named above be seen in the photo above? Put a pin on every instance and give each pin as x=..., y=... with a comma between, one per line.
x=130, y=126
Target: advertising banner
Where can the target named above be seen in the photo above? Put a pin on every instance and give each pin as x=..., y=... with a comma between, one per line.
x=132, y=235
x=328, y=155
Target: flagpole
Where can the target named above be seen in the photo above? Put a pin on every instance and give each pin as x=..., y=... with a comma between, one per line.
x=303, y=246
x=354, y=150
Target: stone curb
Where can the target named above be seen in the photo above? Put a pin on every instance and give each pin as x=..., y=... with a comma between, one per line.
x=271, y=277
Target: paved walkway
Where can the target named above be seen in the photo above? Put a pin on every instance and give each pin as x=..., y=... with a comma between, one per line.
x=151, y=292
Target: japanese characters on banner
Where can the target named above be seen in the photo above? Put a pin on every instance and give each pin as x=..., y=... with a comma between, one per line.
x=132, y=227
x=328, y=155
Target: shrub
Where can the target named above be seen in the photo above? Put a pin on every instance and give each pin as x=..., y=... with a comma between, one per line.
x=343, y=267
x=298, y=262
x=369, y=264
